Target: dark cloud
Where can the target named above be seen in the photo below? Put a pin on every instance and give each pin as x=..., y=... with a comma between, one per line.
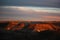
x=45, y=3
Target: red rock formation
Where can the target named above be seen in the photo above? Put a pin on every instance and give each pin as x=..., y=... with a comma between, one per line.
x=19, y=27
x=35, y=27
x=11, y=25
x=42, y=27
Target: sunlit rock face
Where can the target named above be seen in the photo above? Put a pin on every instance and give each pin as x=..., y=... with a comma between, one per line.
x=11, y=25
x=42, y=27
x=37, y=27
x=14, y=25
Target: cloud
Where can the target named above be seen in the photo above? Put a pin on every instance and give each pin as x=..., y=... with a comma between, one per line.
x=29, y=13
x=52, y=18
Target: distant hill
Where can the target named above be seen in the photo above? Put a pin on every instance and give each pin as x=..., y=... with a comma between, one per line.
x=16, y=30
x=34, y=26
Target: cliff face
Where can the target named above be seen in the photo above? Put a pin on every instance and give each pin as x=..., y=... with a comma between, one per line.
x=29, y=25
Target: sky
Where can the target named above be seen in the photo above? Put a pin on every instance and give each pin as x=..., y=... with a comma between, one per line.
x=28, y=13
x=30, y=10
x=45, y=3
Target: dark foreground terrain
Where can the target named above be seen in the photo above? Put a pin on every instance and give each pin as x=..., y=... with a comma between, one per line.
x=28, y=34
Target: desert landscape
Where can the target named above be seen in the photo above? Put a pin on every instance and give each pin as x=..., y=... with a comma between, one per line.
x=30, y=30
x=29, y=19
